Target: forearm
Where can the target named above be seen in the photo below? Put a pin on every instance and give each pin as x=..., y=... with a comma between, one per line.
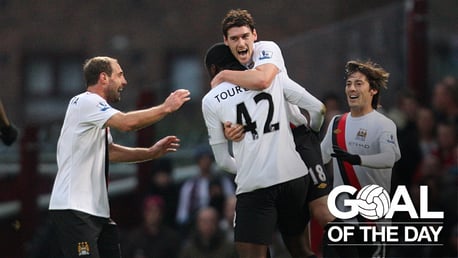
x=138, y=119
x=141, y=118
x=120, y=153
x=223, y=158
x=298, y=95
x=380, y=160
x=259, y=78
x=146, y=117
x=249, y=79
x=317, y=118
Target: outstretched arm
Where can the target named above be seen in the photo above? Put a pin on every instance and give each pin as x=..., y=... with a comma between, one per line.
x=119, y=153
x=141, y=118
x=298, y=95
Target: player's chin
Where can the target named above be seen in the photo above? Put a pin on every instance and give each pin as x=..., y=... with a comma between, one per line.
x=243, y=58
x=115, y=98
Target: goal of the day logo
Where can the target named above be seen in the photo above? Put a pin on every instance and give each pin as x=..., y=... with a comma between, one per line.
x=373, y=203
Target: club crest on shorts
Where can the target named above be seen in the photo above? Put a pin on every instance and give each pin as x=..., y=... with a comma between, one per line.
x=83, y=249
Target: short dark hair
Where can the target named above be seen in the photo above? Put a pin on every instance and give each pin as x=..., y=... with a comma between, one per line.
x=220, y=56
x=237, y=18
x=94, y=66
x=376, y=75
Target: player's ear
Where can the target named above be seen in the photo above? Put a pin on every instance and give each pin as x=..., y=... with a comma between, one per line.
x=213, y=70
x=373, y=91
x=103, y=76
x=255, y=35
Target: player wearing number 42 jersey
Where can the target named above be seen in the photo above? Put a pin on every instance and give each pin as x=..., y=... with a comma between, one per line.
x=271, y=178
x=265, y=64
x=267, y=154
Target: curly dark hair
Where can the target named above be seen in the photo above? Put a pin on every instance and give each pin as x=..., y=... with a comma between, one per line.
x=237, y=18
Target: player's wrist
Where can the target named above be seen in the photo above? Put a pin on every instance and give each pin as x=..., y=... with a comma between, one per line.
x=356, y=160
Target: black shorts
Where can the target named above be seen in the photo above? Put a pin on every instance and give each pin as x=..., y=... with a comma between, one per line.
x=82, y=235
x=308, y=147
x=260, y=212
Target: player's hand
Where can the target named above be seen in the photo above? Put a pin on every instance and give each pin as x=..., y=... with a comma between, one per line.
x=164, y=146
x=234, y=132
x=8, y=134
x=218, y=79
x=176, y=99
x=345, y=156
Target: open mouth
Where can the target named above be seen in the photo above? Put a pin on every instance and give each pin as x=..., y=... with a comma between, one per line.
x=243, y=52
x=353, y=96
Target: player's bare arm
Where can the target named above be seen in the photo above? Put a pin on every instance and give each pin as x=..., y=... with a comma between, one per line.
x=138, y=119
x=119, y=153
x=255, y=79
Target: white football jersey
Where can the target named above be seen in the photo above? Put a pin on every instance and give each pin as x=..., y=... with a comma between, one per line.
x=268, y=52
x=266, y=156
x=80, y=180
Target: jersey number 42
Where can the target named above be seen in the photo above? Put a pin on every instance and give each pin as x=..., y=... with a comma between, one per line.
x=251, y=126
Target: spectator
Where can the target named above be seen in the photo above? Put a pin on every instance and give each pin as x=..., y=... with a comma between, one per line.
x=430, y=166
x=407, y=133
x=445, y=100
x=208, y=241
x=227, y=220
x=451, y=248
x=333, y=108
x=163, y=185
x=447, y=143
x=208, y=188
x=153, y=239
x=426, y=127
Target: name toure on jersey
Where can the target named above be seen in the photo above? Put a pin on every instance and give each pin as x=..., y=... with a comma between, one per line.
x=220, y=96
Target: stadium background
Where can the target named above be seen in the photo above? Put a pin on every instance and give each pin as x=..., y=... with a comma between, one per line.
x=160, y=45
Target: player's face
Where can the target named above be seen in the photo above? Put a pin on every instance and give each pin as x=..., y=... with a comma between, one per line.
x=241, y=42
x=359, y=94
x=116, y=84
